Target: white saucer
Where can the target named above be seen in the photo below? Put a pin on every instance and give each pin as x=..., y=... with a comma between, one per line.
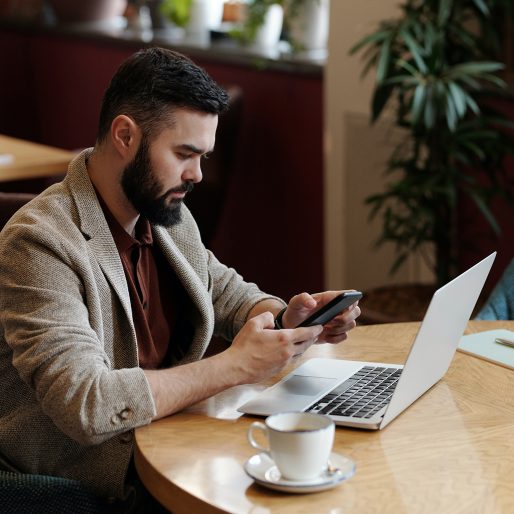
x=263, y=470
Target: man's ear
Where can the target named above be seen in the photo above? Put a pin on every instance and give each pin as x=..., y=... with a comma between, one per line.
x=125, y=136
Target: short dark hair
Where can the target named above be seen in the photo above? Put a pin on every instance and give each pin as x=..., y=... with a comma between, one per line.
x=151, y=81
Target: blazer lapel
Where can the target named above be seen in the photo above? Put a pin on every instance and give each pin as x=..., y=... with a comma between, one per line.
x=195, y=288
x=103, y=247
x=93, y=225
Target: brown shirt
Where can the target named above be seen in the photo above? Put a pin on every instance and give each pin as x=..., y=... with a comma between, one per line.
x=153, y=290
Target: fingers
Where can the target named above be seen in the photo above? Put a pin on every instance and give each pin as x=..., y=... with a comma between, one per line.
x=299, y=335
x=301, y=348
x=297, y=340
x=333, y=337
x=263, y=321
x=301, y=306
x=336, y=330
x=305, y=337
x=260, y=351
x=302, y=301
x=298, y=308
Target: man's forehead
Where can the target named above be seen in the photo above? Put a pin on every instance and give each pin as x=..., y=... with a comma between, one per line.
x=193, y=128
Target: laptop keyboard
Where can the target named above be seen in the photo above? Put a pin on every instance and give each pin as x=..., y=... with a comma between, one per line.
x=362, y=395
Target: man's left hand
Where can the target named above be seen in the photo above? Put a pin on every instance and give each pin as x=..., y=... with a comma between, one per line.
x=303, y=305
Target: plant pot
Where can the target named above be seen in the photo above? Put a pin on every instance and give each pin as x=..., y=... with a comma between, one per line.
x=72, y=11
x=308, y=28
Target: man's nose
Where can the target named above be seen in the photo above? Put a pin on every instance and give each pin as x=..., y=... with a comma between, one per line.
x=193, y=172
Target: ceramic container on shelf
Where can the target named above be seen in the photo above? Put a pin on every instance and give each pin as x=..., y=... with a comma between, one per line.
x=197, y=31
x=308, y=28
x=268, y=35
x=215, y=13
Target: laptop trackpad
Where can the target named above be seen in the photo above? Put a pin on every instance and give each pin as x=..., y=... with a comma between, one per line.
x=295, y=393
x=306, y=386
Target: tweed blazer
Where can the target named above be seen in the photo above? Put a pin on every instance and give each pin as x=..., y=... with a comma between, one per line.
x=71, y=389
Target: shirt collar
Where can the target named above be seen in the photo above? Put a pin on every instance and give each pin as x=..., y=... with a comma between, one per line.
x=123, y=240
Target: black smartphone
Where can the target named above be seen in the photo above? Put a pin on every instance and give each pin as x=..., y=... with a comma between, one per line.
x=331, y=309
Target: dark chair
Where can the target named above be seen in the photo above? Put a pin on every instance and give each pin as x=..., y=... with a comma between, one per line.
x=26, y=494
x=207, y=200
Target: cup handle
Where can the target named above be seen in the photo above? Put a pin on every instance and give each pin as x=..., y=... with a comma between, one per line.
x=257, y=425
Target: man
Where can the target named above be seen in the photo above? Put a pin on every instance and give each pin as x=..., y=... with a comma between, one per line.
x=109, y=299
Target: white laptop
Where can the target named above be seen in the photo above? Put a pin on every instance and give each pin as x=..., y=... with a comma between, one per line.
x=370, y=394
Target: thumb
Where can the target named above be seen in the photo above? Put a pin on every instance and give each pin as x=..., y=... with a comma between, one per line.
x=302, y=302
x=299, y=307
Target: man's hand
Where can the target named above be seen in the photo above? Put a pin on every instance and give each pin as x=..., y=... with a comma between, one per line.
x=259, y=351
x=303, y=305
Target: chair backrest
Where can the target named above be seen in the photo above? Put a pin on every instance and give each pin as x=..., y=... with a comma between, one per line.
x=207, y=200
x=25, y=494
x=10, y=203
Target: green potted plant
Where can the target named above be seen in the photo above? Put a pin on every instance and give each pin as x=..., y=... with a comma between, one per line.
x=436, y=71
x=177, y=11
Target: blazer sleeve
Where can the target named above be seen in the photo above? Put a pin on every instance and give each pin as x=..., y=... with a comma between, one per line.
x=232, y=297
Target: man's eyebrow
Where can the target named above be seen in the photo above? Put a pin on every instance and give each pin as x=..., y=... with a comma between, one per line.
x=194, y=149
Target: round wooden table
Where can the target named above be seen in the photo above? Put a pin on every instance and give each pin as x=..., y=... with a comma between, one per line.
x=449, y=452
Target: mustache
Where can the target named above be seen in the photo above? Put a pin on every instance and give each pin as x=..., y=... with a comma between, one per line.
x=185, y=187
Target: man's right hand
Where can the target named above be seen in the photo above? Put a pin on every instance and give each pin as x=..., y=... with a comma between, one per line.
x=259, y=351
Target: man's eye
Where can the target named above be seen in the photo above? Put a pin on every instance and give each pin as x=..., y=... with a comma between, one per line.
x=184, y=156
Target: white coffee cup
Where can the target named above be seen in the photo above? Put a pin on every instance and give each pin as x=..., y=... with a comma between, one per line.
x=298, y=442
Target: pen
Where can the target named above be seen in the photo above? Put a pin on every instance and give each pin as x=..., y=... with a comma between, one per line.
x=505, y=342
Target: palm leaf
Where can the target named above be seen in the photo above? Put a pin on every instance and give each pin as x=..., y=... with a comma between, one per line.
x=377, y=37
x=482, y=6
x=384, y=60
x=444, y=11
x=476, y=68
x=380, y=99
x=415, y=51
x=459, y=98
x=418, y=102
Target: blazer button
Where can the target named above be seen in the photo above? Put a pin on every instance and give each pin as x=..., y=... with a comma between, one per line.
x=115, y=419
x=125, y=414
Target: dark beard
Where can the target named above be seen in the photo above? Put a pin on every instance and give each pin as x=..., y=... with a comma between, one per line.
x=142, y=190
